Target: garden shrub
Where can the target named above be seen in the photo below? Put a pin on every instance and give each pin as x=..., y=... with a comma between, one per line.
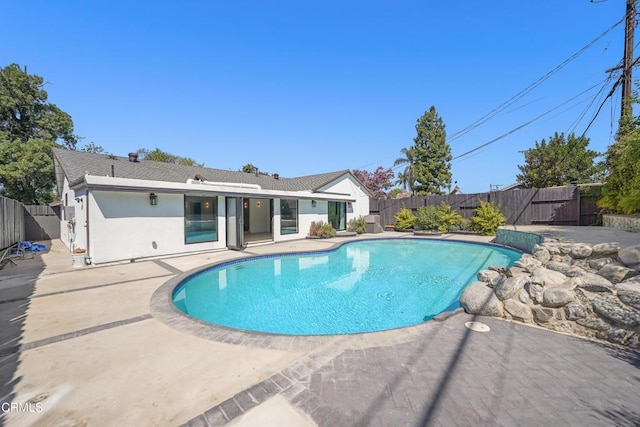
x=440, y=217
x=321, y=229
x=357, y=224
x=487, y=219
x=404, y=220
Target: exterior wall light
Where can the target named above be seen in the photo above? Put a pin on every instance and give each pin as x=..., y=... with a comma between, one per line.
x=153, y=199
x=314, y=203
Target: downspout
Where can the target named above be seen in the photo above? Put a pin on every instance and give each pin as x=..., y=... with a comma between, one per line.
x=86, y=224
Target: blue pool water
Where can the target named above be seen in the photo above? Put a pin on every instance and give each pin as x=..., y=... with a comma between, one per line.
x=360, y=287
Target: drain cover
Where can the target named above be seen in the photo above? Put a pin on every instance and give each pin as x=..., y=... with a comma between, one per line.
x=477, y=327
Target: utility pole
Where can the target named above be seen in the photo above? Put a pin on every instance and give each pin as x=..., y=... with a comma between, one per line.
x=627, y=67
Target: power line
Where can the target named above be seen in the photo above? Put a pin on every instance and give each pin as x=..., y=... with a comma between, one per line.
x=532, y=86
x=524, y=124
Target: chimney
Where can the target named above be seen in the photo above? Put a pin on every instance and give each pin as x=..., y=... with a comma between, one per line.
x=133, y=157
x=257, y=172
x=276, y=176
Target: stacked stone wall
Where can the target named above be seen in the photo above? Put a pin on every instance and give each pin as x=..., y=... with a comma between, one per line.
x=589, y=290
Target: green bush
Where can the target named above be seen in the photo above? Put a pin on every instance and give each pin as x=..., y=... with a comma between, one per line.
x=404, y=220
x=487, y=219
x=440, y=217
x=321, y=229
x=357, y=224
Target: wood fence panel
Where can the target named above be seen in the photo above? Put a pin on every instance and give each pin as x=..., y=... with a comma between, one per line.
x=11, y=222
x=554, y=206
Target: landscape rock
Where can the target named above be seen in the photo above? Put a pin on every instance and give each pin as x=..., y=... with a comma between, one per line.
x=566, y=269
x=630, y=256
x=487, y=275
x=613, y=310
x=596, y=324
x=592, y=283
x=553, y=249
x=620, y=336
x=510, y=286
x=580, y=251
x=556, y=297
x=629, y=292
x=617, y=273
x=535, y=291
x=518, y=310
x=542, y=255
x=575, y=311
x=604, y=249
x=527, y=262
x=565, y=259
x=480, y=299
x=547, y=277
x=523, y=296
x=598, y=263
x=592, y=290
x=542, y=315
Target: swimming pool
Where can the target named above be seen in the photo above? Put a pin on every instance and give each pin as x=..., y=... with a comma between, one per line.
x=361, y=286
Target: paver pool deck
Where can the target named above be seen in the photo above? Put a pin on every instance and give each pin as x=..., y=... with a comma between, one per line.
x=89, y=346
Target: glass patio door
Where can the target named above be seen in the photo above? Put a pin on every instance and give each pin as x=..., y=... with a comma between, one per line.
x=235, y=228
x=338, y=215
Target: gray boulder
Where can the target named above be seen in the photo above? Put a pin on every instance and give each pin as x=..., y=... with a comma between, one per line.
x=565, y=259
x=547, y=277
x=542, y=315
x=542, y=255
x=613, y=310
x=575, y=311
x=598, y=263
x=629, y=292
x=581, y=250
x=557, y=297
x=595, y=324
x=604, y=249
x=487, y=275
x=592, y=283
x=552, y=248
x=510, y=286
x=617, y=273
x=478, y=298
x=518, y=310
x=566, y=269
x=527, y=262
x=535, y=291
x=630, y=256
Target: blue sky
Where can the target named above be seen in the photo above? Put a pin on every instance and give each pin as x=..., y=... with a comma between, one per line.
x=309, y=87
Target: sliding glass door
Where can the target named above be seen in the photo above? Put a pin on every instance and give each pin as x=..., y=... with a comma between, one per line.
x=338, y=215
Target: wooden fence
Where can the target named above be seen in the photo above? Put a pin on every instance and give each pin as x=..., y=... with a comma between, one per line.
x=553, y=206
x=11, y=222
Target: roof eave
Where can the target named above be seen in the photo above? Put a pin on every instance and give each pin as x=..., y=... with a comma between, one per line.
x=135, y=185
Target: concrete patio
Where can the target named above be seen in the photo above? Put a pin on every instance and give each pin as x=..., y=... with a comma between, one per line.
x=90, y=348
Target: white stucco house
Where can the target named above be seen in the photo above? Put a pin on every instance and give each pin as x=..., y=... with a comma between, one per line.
x=120, y=208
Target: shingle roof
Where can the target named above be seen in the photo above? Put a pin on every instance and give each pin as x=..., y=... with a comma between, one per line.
x=75, y=164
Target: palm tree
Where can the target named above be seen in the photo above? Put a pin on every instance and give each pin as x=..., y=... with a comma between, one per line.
x=407, y=178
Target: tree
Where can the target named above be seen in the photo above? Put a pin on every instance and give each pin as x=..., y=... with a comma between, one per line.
x=158, y=155
x=432, y=169
x=407, y=178
x=561, y=161
x=29, y=127
x=249, y=168
x=377, y=182
x=621, y=191
x=93, y=148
